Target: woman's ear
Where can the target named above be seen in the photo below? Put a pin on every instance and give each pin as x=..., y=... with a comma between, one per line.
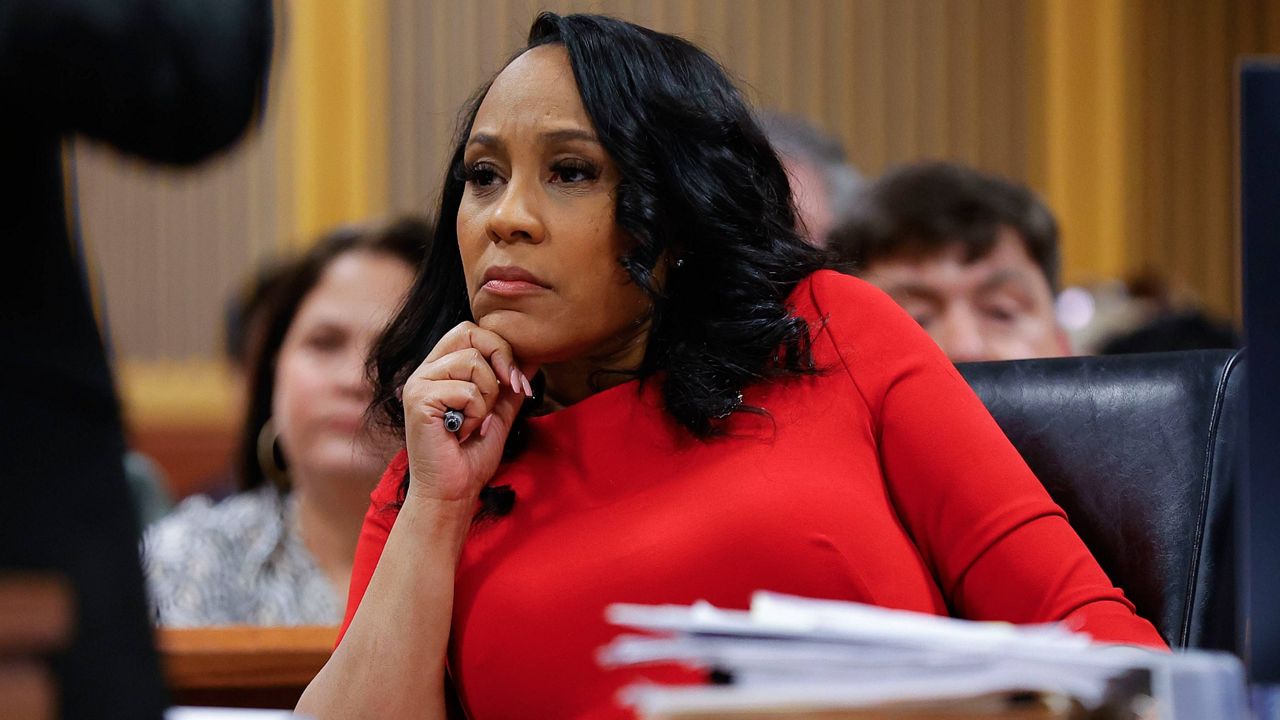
x=671, y=261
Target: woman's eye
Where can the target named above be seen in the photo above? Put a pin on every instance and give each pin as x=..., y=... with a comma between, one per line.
x=573, y=172
x=326, y=342
x=923, y=313
x=480, y=175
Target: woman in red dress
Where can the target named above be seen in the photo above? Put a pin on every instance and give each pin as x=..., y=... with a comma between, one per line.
x=665, y=399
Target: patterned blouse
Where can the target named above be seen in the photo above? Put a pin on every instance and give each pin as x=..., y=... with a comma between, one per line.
x=237, y=562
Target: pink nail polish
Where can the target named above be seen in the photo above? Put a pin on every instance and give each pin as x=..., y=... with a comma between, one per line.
x=484, y=426
x=528, y=389
x=515, y=380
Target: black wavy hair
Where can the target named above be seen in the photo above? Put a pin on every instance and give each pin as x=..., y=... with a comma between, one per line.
x=699, y=182
x=289, y=285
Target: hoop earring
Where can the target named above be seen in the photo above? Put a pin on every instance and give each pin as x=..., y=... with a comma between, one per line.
x=270, y=460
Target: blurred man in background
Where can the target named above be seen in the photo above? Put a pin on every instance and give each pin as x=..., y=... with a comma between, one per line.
x=823, y=182
x=972, y=257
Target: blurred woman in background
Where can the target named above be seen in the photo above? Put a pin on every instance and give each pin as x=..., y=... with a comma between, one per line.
x=279, y=552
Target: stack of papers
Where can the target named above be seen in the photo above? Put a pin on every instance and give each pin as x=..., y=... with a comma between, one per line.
x=791, y=657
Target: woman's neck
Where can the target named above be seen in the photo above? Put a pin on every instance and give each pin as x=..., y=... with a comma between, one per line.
x=330, y=513
x=577, y=379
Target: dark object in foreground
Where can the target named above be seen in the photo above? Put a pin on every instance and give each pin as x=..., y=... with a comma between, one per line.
x=169, y=81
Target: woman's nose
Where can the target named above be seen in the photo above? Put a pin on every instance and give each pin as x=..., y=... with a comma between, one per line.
x=351, y=376
x=516, y=216
x=961, y=337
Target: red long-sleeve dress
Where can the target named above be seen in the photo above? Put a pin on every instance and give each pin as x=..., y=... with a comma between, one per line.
x=882, y=480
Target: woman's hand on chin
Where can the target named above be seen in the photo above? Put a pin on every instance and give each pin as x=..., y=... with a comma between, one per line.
x=474, y=371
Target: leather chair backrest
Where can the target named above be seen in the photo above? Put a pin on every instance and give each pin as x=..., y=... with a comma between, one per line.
x=1142, y=452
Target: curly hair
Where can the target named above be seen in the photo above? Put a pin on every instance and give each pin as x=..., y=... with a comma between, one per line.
x=699, y=181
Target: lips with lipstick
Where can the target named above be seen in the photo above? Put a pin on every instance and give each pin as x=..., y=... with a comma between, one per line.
x=512, y=281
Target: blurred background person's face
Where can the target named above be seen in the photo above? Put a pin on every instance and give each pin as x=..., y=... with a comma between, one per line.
x=321, y=392
x=997, y=307
x=812, y=198
x=823, y=182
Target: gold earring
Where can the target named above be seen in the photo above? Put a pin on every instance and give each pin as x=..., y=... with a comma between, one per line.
x=270, y=459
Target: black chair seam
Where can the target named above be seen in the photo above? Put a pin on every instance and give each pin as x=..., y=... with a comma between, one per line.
x=1211, y=436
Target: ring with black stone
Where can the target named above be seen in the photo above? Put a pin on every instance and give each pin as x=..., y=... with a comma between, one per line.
x=453, y=420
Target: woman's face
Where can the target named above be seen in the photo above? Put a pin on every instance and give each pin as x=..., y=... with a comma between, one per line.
x=320, y=388
x=536, y=227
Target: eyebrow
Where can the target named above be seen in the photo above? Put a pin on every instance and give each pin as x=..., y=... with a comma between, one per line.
x=1005, y=277
x=923, y=292
x=995, y=282
x=564, y=135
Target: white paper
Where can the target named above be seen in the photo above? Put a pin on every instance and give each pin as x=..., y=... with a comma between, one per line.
x=206, y=713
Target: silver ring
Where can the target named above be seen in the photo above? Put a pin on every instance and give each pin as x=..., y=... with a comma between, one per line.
x=453, y=420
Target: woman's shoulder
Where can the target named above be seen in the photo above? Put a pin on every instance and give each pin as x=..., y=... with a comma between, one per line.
x=200, y=513
x=827, y=293
x=198, y=525
x=856, y=326
x=853, y=311
x=234, y=561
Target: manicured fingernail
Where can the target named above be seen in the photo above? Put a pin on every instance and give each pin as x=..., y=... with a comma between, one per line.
x=484, y=426
x=515, y=380
x=528, y=389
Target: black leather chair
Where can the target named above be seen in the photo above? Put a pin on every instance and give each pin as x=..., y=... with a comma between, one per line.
x=1142, y=453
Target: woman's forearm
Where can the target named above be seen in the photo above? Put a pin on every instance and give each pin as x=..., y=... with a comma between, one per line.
x=391, y=662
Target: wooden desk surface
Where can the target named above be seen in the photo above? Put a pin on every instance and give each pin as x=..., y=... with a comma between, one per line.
x=240, y=666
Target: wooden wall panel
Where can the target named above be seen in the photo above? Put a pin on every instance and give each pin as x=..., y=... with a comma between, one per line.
x=1182, y=214
x=335, y=67
x=896, y=81
x=170, y=245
